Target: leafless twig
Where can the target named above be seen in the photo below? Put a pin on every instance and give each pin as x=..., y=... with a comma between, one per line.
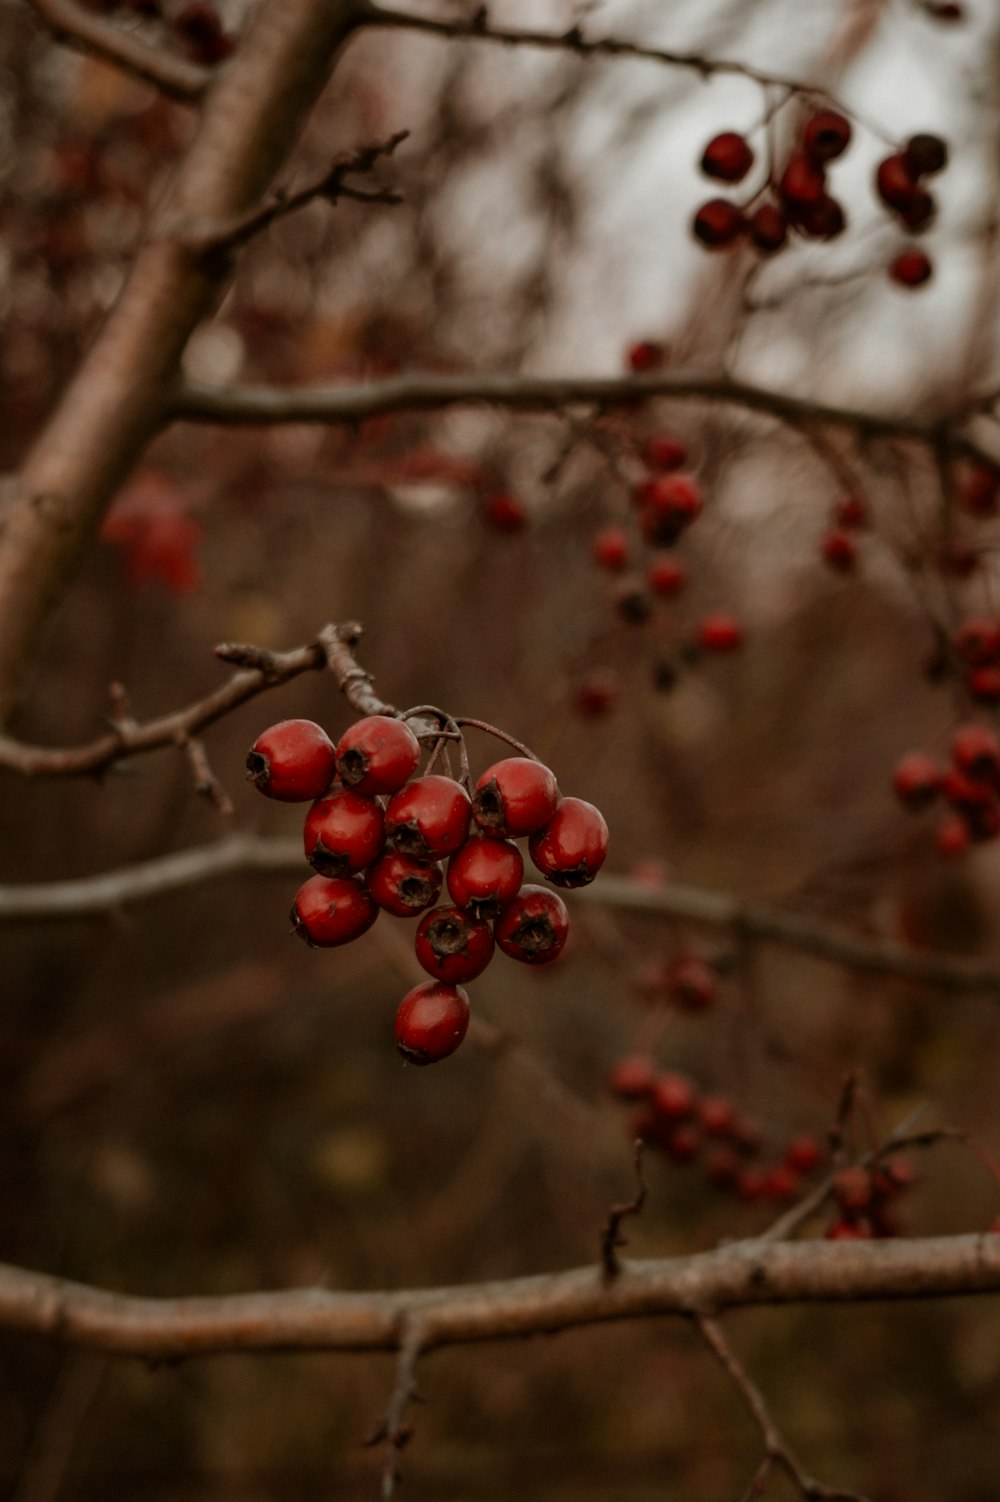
x=80, y=28
x=611, y=1237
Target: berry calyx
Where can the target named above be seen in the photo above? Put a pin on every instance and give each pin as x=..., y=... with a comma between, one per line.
x=328, y=911
x=573, y=845
x=728, y=157
x=514, y=797
x=718, y=224
x=452, y=945
x=485, y=874
x=343, y=833
x=431, y=1022
x=429, y=818
x=533, y=926
x=292, y=761
x=377, y=755
x=402, y=885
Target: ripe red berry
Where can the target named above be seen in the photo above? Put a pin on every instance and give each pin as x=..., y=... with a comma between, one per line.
x=975, y=750
x=720, y=633
x=692, y=984
x=979, y=490
x=925, y=154
x=573, y=845
x=977, y=641
x=515, y=796
x=402, y=885
x=332, y=910
x=717, y=1115
x=804, y=1154
x=610, y=549
x=431, y=1022
x=917, y=779
x=803, y=182
x=453, y=945
x=826, y=135
x=377, y=755
x=344, y=832
x=894, y=181
x=839, y=550
x=824, y=220
x=952, y=836
x=852, y=1189
x=293, y=761
x=849, y=1230
x=429, y=818
x=505, y=513
x=668, y=505
x=533, y=926
x=664, y=453
x=749, y=1185
x=911, y=268
x=780, y=1185
x=680, y=1143
x=673, y=1096
x=485, y=874
x=597, y=693
x=768, y=228
x=632, y=1077
x=666, y=577
x=851, y=512
x=983, y=684
x=727, y=157
x=918, y=211
x=646, y=355
x=718, y=224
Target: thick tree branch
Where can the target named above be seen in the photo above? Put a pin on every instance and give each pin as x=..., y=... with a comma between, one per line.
x=746, y=1273
x=416, y=392
x=82, y=29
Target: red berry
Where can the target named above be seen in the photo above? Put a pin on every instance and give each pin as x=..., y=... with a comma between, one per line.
x=717, y=1115
x=975, y=750
x=505, y=513
x=780, y=1185
x=804, y=1154
x=803, y=182
x=452, y=945
x=666, y=577
x=680, y=1143
x=610, y=548
x=377, y=755
x=429, y=818
x=515, y=797
x=665, y=453
x=894, y=182
x=431, y=1022
x=344, y=832
x=826, y=135
x=852, y=1189
x=768, y=228
x=573, y=845
x=718, y=224
x=911, y=268
x=692, y=984
x=840, y=551
x=952, y=836
x=925, y=154
x=727, y=157
x=292, y=761
x=824, y=220
x=979, y=491
x=720, y=633
x=646, y=355
x=673, y=1096
x=849, y=1230
x=851, y=512
x=983, y=684
x=485, y=874
x=597, y=693
x=917, y=779
x=533, y=926
x=977, y=641
x=918, y=211
x=669, y=504
x=749, y=1184
x=332, y=910
x=402, y=885
x=632, y=1077
x=722, y=1168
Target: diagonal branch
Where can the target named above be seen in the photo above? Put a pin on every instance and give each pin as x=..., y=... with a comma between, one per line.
x=80, y=28
x=746, y=1273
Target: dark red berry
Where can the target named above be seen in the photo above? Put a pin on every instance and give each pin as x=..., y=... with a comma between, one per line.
x=975, y=750
x=804, y=1154
x=925, y=154
x=718, y=224
x=344, y=832
x=515, y=796
x=894, y=181
x=692, y=984
x=665, y=453
x=533, y=926
x=839, y=550
x=402, y=885
x=977, y=641
x=431, y=1022
x=851, y=512
x=849, y=1230
x=331, y=910
x=983, y=684
x=979, y=490
x=485, y=874
x=768, y=228
x=952, y=836
x=918, y=211
x=917, y=779
x=646, y=355
x=666, y=577
x=199, y=27
x=573, y=845
x=452, y=945
x=673, y=1096
x=717, y=1115
x=720, y=633
x=429, y=818
x=824, y=220
x=293, y=761
x=632, y=1077
x=780, y=1185
x=610, y=549
x=803, y=182
x=727, y=157
x=597, y=693
x=668, y=505
x=826, y=135
x=680, y=1143
x=852, y=1189
x=377, y=755
x=911, y=268
x=505, y=513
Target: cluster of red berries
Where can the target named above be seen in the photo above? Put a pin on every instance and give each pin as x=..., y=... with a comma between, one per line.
x=674, y=1119
x=839, y=544
x=899, y=183
x=970, y=785
x=196, y=25
x=865, y=1196
x=376, y=834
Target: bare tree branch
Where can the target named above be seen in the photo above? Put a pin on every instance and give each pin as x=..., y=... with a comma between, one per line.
x=424, y=392
x=80, y=28
x=740, y=1274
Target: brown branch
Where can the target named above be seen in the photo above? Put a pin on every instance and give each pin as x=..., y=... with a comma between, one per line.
x=611, y=1237
x=392, y=1430
x=748, y=1273
x=81, y=29
x=776, y=1447
x=425, y=392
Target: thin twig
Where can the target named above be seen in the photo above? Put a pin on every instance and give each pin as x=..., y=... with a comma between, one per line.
x=392, y=1430
x=611, y=1236
x=79, y=28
